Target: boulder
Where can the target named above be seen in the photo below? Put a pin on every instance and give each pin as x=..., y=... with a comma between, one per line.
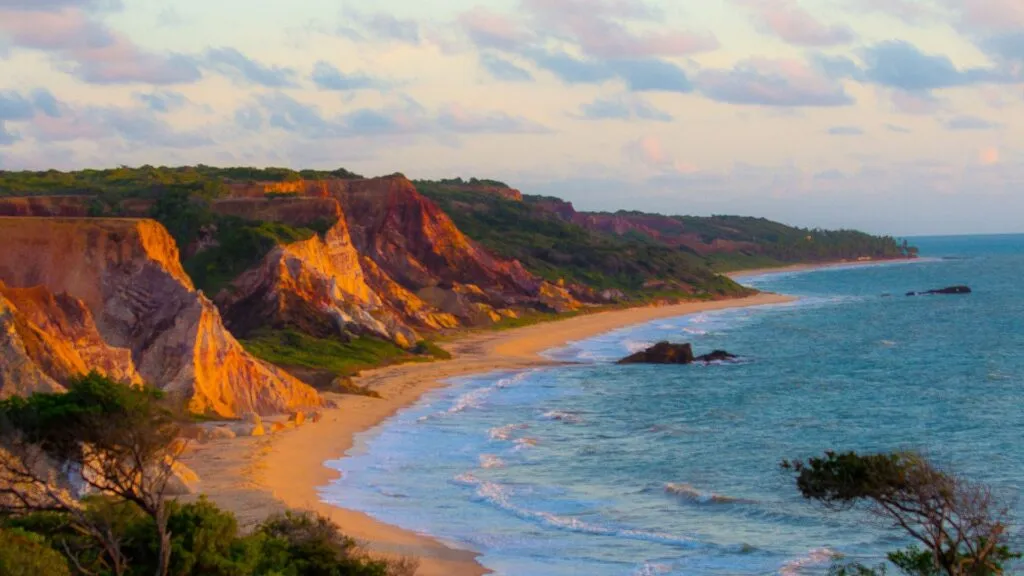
x=716, y=356
x=949, y=290
x=662, y=353
x=221, y=433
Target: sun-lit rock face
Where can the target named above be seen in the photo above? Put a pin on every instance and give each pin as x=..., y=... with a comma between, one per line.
x=128, y=274
x=416, y=243
x=23, y=354
x=61, y=336
x=404, y=303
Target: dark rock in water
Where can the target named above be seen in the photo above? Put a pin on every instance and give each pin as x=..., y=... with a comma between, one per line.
x=662, y=353
x=716, y=356
x=669, y=353
x=950, y=290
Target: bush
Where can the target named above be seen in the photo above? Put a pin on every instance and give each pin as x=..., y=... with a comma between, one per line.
x=25, y=554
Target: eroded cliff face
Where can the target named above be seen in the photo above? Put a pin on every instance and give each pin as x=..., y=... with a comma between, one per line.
x=294, y=211
x=128, y=274
x=67, y=206
x=417, y=244
x=315, y=285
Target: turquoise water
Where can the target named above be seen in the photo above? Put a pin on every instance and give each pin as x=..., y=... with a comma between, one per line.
x=598, y=469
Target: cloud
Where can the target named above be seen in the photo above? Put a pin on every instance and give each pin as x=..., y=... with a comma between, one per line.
x=284, y=112
x=327, y=77
x=597, y=27
x=625, y=107
x=89, y=50
x=901, y=65
x=988, y=156
x=162, y=100
x=45, y=102
x=988, y=16
x=912, y=12
x=764, y=82
x=845, y=131
x=913, y=103
x=650, y=152
x=570, y=69
x=502, y=69
x=7, y=138
x=787, y=20
x=642, y=75
x=368, y=27
x=487, y=29
x=970, y=123
x=897, y=129
x=55, y=5
x=135, y=126
x=243, y=70
x=14, y=106
x=1007, y=47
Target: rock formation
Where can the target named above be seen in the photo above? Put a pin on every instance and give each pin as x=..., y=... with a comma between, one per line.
x=294, y=211
x=127, y=273
x=950, y=290
x=315, y=285
x=53, y=339
x=67, y=206
x=669, y=353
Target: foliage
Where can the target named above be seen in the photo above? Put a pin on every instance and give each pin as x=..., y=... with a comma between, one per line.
x=117, y=439
x=26, y=554
x=554, y=249
x=961, y=525
x=206, y=541
x=290, y=348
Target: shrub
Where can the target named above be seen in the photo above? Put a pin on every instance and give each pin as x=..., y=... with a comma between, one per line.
x=25, y=554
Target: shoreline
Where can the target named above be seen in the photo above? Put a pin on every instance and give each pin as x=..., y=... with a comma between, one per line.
x=816, y=266
x=260, y=476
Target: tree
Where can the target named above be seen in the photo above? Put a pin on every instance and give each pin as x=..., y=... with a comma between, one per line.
x=100, y=437
x=26, y=554
x=961, y=524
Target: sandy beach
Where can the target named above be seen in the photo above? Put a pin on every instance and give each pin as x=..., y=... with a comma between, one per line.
x=257, y=477
x=818, y=266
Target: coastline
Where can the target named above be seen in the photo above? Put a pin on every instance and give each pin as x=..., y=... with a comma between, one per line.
x=260, y=476
x=815, y=266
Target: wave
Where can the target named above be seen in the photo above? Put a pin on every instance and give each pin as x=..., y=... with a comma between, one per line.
x=475, y=398
x=652, y=569
x=816, y=557
x=690, y=492
x=561, y=416
x=695, y=331
x=505, y=432
x=498, y=496
x=522, y=443
x=488, y=461
x=635, y=346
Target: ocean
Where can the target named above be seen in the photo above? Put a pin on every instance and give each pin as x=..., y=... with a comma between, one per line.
x=605, y=470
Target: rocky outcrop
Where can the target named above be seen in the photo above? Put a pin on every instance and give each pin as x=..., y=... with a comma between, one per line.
x=669, y=353
x=315, y=285
x=662, y=353
x=127, y=273
x=59, y=337
x=949, y=290
x=297, y=211
x=417, y=244
x=404, y=303
x=67, y=206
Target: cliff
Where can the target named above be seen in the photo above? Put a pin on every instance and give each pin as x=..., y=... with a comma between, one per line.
x=297, y=211
x=67, y=206
x=127, y=273
x=315, y=285
x=61, y=337
x=417, y=244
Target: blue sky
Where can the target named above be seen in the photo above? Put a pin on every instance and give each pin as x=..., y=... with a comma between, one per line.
x=897, y=116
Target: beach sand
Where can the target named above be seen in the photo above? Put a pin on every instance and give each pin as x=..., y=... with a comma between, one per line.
x=257, y=477
x=818, y=266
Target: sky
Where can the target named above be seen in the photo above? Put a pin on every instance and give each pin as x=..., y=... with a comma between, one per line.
x=892, y=116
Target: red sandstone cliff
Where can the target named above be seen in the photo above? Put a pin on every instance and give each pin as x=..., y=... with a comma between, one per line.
x=127, y=273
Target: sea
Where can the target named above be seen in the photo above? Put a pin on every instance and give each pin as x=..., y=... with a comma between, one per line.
x=592, y=468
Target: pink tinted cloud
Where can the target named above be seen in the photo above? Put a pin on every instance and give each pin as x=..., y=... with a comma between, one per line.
x=650, y=151
x=773, y=82
x=790, y=22
x=493, y=30
x=597, y=26
x=988, y=156
x=915, y=104
x=989, y=15
x=91, y=50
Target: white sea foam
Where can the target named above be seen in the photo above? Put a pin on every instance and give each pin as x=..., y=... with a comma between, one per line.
x=695, y=331
x=561, y=416
x=491, y=461
x=814, y=558
x=476, y=397
x=523, y=443
x=499, y=496
x=505, y=432
x=702, y=496
x=652, y=569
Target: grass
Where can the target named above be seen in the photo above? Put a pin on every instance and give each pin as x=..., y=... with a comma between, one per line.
x=333, y=362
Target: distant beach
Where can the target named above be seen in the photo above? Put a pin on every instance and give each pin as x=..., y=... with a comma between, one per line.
x=256, y=477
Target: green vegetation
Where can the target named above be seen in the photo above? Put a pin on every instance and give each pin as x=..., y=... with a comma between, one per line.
x=959, y=527
x=293, y=349
x=125, y=443
x=553, y=248
x=149, y=181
